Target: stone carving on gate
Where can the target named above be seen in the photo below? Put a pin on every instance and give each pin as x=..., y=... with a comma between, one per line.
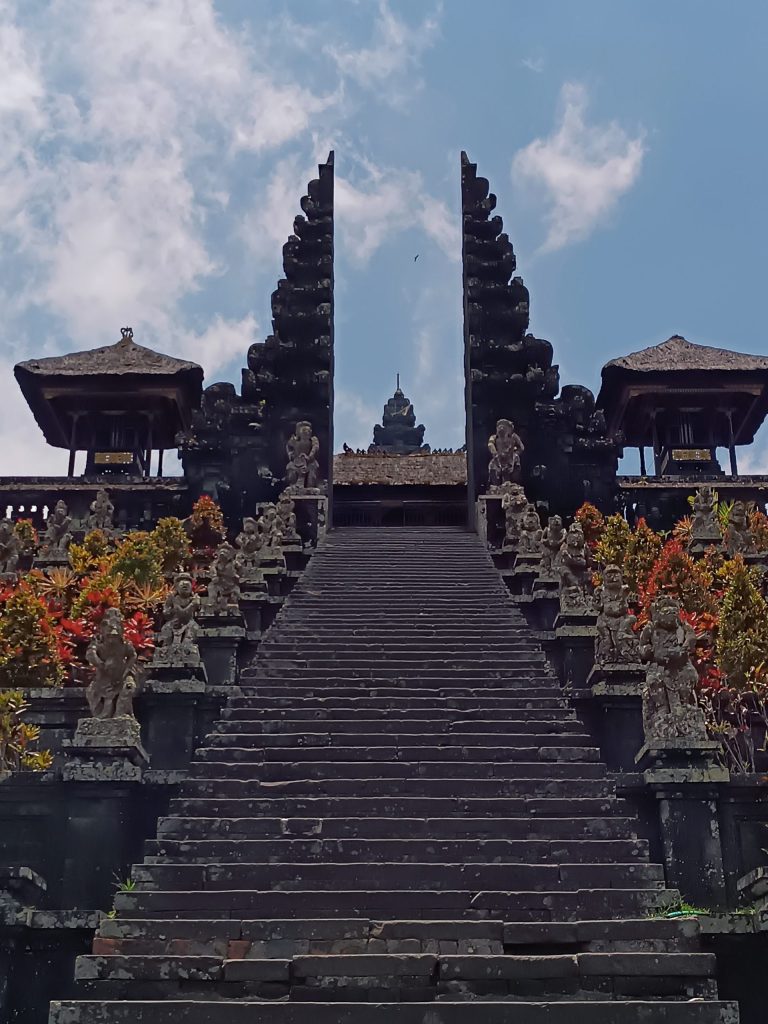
x=302, y=448
x=506, y=449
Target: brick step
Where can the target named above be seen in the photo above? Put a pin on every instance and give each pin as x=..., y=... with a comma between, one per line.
x=576, y=811
x=485, y=1012
x=414, y=875
x=417, y=663
x=243, y=747
x=533, y=688
x=383, y=903
x=235, y=849
x=284, y=630
x=277, y=721
x=389, y=701
x=408, y=785
x=401, y=649
x=292, y=937
x=362, y=772
x=433, y=829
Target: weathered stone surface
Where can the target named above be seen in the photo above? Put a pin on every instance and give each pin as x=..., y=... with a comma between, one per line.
x=177, y=640
x=616, y=641
x=112, y=689
x=506, y=450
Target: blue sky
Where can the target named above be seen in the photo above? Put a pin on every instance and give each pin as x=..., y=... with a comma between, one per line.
x=152, y=154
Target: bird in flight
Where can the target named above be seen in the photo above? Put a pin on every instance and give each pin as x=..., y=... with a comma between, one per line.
x=415, y=257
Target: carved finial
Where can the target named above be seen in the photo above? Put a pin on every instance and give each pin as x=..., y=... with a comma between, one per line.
x=127, y=333
x=398, y=382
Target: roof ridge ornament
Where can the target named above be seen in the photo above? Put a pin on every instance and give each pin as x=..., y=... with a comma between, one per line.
x=126, y=334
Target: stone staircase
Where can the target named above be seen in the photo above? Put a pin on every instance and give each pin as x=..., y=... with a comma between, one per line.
x=399, y=819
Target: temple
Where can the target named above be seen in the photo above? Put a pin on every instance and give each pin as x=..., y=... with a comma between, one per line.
x=406, y=735
x=398, y=433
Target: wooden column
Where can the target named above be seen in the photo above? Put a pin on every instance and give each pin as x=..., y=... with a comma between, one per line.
x=731, y=444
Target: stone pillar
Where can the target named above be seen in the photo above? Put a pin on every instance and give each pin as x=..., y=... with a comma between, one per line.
x=219, y=641
x=685, y=779
x=169, y=703
x=575, y=633
x=615, y=708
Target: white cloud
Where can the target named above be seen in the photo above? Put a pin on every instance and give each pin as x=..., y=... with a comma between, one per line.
x=395, y=49
x=353, y=420
x=582, y=169
x=535, y=64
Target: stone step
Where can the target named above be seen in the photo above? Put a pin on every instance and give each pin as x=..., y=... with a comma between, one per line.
x=382, y=902
x=235, y=849
x=441, y=722
x=436, y=829
x=593, y=976
x=535, y=691
x=365, y=1012
x=511, y=772
x=243, y=747
x=292, y=937
x=414, y=875
x=577, y=811
x=362, y=734
x=389, y=700
x=407, y=786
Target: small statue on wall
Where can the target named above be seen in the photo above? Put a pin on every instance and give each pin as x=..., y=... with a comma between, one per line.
x=531, y=532
x=616, y=641
x=670, y=711
x=286, y=516
x=113, y=687
x=58, y=532
x=705, y=529
x=739, y=537
x=506, y=448
x=514, y=505
x=552, y=542
x=102, y=514
x=271, y=536
x=302, y=448
x=574, y=571
x=10, y=548
x=177, y=640
x=249, y=543
x=224, y=588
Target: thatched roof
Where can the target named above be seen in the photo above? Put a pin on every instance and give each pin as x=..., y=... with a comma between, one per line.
x=677, y=353
x=124, y=357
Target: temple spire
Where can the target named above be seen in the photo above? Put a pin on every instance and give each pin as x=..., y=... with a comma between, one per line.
x=397, y=433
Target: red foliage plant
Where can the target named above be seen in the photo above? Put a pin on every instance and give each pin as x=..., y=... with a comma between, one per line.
x=592, y=523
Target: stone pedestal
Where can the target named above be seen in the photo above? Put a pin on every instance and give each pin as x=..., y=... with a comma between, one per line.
x=219, y=641
x=685, y=779
x=700, y=542
x=525, y=571
x=489, y=521
x=105, y=750
x=311, y=515
x=295, y=557
x=614, y=708
x=575, y=633
x=169, y=713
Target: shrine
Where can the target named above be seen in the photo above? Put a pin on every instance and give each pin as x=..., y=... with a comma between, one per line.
x=397, y=433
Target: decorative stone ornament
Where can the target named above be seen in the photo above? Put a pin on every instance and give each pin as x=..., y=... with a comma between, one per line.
x=58, y=534
x=113, y=687
x=249, y=543
x=616, y=641
x=514, y=505
x=271, y=553
x=670, y=711
x=302, y=448
x=574, y=571
x=224, y=588
x=531, y=533
x=705, y=529
x=177, y=640
x=552, y=541
x=286, y=517
x=10, y=548
x=739, y=538
x=506, y=448
x=102, y=513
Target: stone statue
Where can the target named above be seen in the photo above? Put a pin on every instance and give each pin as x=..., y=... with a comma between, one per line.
x=530, y=532
x=58, y=532
x=515, y=504
x=10, y=548
x=271, y=536
x=113, y=687
x=574, y=570
x=616, y=641
x=286, y=517
x=670, y=711
x=102, y=514
x=177, y=640
x=552, y=542
x=506, y=448
x=224, y=588
x=739, y=538
x=705, y=529
x=302, y=449
x=249, y=544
